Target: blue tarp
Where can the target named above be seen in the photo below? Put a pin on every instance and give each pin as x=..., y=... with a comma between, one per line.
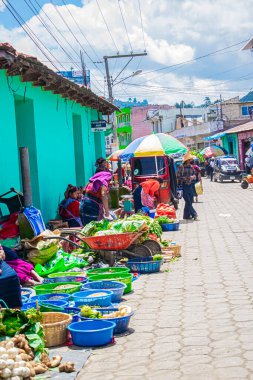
x=215, y=137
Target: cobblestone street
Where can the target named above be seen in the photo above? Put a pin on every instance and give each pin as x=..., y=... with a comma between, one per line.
x=194, y=321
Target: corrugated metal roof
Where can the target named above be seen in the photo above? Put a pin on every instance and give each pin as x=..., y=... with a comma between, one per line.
x=247, y=98
x=242, y=128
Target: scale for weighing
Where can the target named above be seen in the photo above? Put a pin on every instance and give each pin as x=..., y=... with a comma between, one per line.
x=128, y=203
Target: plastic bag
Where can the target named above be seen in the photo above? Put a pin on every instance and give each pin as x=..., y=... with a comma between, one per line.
x=199, y=188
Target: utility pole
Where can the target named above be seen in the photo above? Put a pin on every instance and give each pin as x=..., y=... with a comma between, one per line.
x=221, y=115
x=83, y=69
x=108, y=78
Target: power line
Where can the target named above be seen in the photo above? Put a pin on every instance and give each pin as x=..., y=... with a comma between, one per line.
x=30, y=33
x=35, y=12
x=125, y=26
x=59, y=32
x=113, y=41
x=143, y=35
x=80, y=30
x=195, y=59
x=73, y=35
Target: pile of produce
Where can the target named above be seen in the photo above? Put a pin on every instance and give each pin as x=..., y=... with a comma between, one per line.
x=166, y=210
x=22, y=346
x=17, y=360
x=165, y=220
x=134, y=223
x=89, y=312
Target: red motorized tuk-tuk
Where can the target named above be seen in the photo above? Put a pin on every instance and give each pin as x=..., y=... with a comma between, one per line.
x=144, y=168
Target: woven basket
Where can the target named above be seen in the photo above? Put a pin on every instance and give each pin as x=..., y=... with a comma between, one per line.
x=55, y=328
x=176, y=250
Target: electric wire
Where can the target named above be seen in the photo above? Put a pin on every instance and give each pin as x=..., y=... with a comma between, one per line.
x=125, y=26
x=113, y=41
x=143, y=35
x=77, y=41
x=30, y=33
x=194, y=59
x=36, y=14
x=58, y=30
x=80, y=30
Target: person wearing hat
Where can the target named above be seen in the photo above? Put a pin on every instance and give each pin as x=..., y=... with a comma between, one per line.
x=186, y=176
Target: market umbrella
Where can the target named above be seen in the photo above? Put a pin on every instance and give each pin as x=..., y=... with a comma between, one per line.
x=213, y=151
x=158, y=144
x=115, y=155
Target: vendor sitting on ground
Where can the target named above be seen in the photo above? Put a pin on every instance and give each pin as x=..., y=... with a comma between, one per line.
x=94, y=205
x=25, y=271
x=146, y=194
x=69, y=207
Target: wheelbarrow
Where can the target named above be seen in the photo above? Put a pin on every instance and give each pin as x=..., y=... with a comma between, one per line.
x=125, y=244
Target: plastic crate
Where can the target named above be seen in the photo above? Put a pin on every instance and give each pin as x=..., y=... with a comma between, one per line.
x=117, y=288
x=144, y=265
x=85, y=298
x=170, y=226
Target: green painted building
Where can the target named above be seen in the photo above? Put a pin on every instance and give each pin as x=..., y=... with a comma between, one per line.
x=230, y=143
x=124, y=128
x=52, y=117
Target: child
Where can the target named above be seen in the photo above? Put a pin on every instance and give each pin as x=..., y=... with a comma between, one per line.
x=26, y=273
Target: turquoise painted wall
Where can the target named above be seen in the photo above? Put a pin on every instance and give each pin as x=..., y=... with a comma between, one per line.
x=231, y=140
x=48, y=130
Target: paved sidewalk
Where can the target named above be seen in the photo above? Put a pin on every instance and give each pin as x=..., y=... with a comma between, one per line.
x=195, y=321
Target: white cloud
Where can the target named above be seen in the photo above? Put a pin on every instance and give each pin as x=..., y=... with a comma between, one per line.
x=2, y=6
x=174, y=31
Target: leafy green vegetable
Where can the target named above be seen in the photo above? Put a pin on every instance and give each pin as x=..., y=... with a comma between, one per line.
x=91, y=228
x=88, y=312
x=157, y=257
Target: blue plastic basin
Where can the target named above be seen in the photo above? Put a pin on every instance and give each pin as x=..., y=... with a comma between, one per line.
x=54, y=297
x=58, y=303
x=86, y=298
x=121, y=323
x=91, y=333
x=117, y=288
x=29, y=305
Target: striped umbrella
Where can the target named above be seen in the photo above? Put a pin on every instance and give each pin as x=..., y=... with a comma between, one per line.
x=158, y=144
x=115, y=155
x=213, y=151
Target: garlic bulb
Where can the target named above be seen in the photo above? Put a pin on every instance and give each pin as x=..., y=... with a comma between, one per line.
x=5, y=357
x=10, y=363
x=9, y=344
x=6, y=372
x=2, y=351
x=2, y=363
x=16, y=378
x=18, y=358
x=12, y=352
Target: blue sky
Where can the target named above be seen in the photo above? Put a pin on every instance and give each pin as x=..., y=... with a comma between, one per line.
x=174, y=31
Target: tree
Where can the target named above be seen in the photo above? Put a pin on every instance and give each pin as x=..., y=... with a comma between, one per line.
x=207, y=101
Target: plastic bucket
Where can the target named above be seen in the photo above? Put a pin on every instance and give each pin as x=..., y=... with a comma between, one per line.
x=108, y=270
x=88, y=297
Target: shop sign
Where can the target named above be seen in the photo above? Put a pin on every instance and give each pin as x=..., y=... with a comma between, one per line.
x=98, y=126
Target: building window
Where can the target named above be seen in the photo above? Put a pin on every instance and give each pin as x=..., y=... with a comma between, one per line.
x=245, y=111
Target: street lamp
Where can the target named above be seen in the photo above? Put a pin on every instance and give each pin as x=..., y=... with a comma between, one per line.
x=130, y=76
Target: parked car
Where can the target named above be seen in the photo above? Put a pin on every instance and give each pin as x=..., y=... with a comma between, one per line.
x=226, y=168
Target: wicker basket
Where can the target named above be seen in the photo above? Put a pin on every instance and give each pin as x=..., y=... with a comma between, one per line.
x=176, y=250
x=55, y=328
x=172, y=250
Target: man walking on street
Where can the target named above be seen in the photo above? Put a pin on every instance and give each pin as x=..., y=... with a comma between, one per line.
x=211, y=168
x=186, y=175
